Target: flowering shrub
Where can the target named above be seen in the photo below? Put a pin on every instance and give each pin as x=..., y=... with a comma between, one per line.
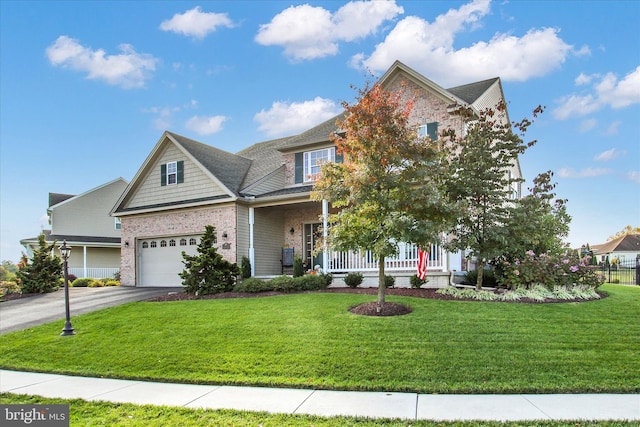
x=551, y=271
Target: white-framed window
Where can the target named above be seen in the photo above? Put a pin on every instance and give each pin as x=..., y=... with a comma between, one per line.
x=172, y=173
x=313, y=161
x=429, y=130
x=118, y=224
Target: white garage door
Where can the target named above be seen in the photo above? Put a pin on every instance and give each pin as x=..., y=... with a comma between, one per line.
x=160, y=259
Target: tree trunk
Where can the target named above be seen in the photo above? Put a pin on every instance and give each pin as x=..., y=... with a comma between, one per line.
x=381, y=284
x=480, y=271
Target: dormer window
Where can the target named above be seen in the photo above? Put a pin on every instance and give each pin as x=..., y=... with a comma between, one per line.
x=172, y=173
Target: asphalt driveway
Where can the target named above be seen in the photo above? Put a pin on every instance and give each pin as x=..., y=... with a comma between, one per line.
x=27, y=312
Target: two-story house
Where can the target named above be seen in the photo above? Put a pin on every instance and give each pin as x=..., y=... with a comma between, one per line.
x=259, y=198
x=84, y=221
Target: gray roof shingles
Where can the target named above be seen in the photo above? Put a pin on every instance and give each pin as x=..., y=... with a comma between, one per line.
x=237, y=171
x=469, y=93
x=229, y=168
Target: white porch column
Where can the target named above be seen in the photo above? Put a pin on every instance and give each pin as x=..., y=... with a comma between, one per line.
x=84, y=260
x=252, y=254
x=325, y=234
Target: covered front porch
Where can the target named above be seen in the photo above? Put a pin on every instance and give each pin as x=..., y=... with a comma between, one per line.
x=296, y=230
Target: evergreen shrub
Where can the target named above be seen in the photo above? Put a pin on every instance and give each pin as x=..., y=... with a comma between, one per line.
x=353, y=280
x=82, y=282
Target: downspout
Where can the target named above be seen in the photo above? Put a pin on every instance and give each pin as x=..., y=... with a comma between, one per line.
x=252, y=254
x=325, y=235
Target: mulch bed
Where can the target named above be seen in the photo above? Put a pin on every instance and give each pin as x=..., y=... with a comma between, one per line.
x=366, y=309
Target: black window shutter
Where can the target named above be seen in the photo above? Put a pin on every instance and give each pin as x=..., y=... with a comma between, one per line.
x=163, y=174
x=432, y=130
x=299, y=171
x=180, y=169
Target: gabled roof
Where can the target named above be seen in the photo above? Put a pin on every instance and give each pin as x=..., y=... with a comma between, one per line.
x=57, y=198
x=628, y=243
x=315, y=135
x=398, y=67
x=230, y=169
x=472, y=91
x=225, y=169
x=265, y=158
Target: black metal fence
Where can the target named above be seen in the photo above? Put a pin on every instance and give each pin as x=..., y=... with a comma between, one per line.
x=626, y=272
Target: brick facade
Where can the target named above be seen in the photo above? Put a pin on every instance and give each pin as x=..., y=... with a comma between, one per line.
x=175, y=223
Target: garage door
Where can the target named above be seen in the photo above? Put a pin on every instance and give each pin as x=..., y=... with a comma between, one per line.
x=160, y=259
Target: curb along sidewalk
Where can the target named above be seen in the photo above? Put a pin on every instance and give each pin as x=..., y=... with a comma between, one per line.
x=440, y=407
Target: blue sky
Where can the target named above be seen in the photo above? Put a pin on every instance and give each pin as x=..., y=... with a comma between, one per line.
x=88, y=87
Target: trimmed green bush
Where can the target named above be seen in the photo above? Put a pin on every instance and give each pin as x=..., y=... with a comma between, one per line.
x=245, y=268
x=82, y=282
x=112, y=283
x=252, y=284
x=353, y=280
x=389, y=281
x=298, y=267
x=7, y=288
x=310, y=282
x=282, y=283
x=416, y=282
x=488, y=278
x=96, y=283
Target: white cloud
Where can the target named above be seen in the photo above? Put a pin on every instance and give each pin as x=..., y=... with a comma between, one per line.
x=584, y=79
x=575, y=105
x=613, y=128
x=608, y=155
x=196, y=23
x=308, y=32
x=204, y=125
x=634, y=176
x=584, y=173
x=128, y=69
x=587, y=125
x=429, y=47
x=287, y=118
x=164, y=116
x=607, y=91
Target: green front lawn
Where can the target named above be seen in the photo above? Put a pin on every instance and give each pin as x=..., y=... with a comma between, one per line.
x=310, y=340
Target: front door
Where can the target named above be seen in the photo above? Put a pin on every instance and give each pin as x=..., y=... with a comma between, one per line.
x=312, y=235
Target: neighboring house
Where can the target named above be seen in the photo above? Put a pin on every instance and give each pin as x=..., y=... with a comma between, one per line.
x=259, y=198
x=626, y=249
x=84, y=221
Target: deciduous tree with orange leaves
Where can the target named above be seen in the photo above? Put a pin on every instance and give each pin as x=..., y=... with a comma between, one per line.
x=390, y=187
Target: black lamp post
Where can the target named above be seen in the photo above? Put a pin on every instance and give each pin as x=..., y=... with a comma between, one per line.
x=65, y=251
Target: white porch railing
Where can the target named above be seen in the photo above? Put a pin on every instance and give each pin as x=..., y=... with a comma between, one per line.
x=406, y=260
x=96, y=273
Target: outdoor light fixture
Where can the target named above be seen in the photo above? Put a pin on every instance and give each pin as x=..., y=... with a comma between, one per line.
x=292, y=231
x=224, y=235
x=126, y=244
x=65, y=251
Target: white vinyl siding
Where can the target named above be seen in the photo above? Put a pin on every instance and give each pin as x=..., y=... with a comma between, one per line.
x=268, y=241
x=88, y=214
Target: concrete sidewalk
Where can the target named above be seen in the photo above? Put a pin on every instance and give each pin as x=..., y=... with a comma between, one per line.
x=441, y=407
